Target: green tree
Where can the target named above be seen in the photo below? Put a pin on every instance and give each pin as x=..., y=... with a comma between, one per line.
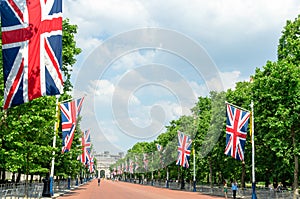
x=276, y=94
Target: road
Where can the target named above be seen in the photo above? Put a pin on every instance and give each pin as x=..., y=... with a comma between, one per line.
x=122, y=190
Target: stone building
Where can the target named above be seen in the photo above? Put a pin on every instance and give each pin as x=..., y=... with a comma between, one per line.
x=104, y=160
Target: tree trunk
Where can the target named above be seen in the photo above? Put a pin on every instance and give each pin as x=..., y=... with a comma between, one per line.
x=210, y=172
x=296, y=166
x=18, y=176
x=31, y=178
x=296, y=170
x=243, y=175
x=3, y=175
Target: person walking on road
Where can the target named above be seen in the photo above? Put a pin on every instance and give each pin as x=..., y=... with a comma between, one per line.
x=234, y=188
x=225, y=189
x=99, y=180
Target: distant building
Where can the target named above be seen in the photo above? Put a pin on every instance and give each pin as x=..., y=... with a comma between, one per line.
x=104, y=160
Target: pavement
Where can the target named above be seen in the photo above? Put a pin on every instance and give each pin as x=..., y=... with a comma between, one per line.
x=66, y=191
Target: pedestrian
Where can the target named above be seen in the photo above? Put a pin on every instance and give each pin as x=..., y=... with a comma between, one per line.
x=234, y=188
x=225, y=189
x=99, y=180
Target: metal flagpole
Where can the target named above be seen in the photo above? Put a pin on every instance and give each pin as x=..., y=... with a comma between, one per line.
x=237, y=106
x=167, y=184
x=152, y=171
x=253, y=165
x=54, y=143
x=194, y=160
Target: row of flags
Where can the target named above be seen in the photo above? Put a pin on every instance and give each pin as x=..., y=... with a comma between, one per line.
x=69, y=115
x=133, y=165
x=32, y=61
x=86, y=157
x=237, y=121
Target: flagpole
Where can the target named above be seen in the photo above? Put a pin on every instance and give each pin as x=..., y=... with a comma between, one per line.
x=167, y=185
x=152, y=171
x=54, y=143
x=68, y=100
x=237, y=106
x=194, y=160
x=253, y=151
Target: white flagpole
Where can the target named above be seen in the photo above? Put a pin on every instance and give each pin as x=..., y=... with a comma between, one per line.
x=253, y=151
x=237, y=106
x=167, y=184
x=54, y=143
x=152, y=171
x=194, y=160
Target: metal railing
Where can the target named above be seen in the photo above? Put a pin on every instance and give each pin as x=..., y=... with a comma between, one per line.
x=242, y=193
x=20, y=190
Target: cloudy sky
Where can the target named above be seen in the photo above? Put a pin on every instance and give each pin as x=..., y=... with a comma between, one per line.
x=145, y=62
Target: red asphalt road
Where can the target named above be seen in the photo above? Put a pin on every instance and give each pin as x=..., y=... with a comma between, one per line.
x=122, y=190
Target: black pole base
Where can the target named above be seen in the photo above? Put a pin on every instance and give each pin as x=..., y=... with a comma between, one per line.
x=46, y=188
x=253, y=191
x=194, y=186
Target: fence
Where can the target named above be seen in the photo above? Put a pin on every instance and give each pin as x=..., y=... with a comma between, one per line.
x=20, y=190
x=32, y=190
x=242, y=193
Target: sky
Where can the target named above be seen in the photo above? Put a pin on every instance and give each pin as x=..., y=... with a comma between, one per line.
x=144, y=63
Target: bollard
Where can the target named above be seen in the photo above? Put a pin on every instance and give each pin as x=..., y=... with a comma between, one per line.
x=69, y=182
x=194, y=186
x=76, y=183
x=46, y=188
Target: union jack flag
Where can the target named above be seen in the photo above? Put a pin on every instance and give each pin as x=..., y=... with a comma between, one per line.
x=91, y=163
x=159, y=147
x=130, y=166
x=136, y=163
x=31, y=49
x=118, y=170
x=236, y=131
x=69, y=113
x=86, y=147
x=184, y=150
x=126, y=166
x=145, y=160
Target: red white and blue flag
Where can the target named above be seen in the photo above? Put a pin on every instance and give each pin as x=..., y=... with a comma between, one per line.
x=184, y=150
x=145, y=160
x=86, y=147
x=236, y=131
x=136, y=163
x=31, y=49
x=130, y=166
x=159, y=147
x=69, y=114
x=91, y=163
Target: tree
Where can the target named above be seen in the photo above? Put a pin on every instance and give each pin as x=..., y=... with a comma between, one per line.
x=277, y=96
x=289, y=42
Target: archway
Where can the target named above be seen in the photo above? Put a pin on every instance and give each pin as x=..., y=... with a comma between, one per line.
x=102, y=173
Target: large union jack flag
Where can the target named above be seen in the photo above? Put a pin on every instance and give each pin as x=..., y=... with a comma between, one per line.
x=31, y=49
x=184, y=150
x=236, y=131
x=85, y=157
x=69, y=113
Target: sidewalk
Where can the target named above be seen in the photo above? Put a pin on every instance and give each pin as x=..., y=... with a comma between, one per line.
x=61, y=193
